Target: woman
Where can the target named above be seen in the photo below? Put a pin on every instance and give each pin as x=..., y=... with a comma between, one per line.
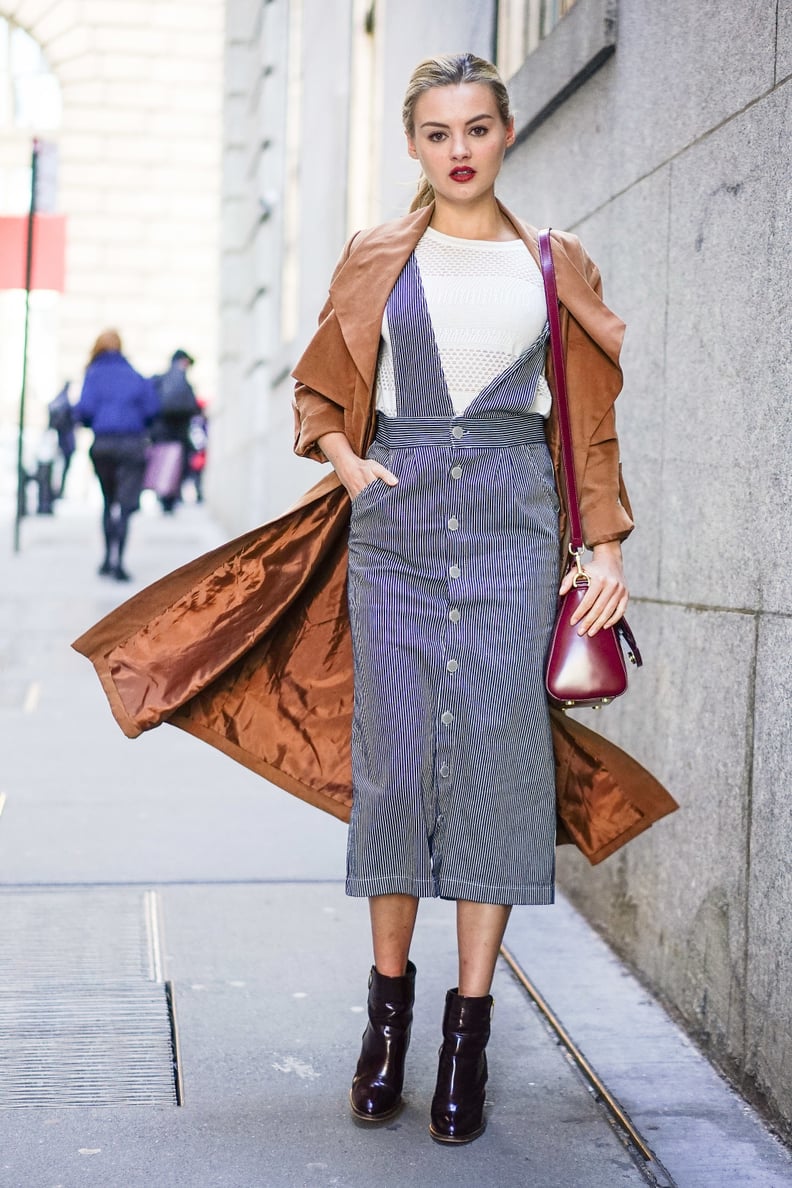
x=118, y=405
x=453, y=582
x=449, y=573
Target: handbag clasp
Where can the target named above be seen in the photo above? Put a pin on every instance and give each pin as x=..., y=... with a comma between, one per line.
x=581, y=577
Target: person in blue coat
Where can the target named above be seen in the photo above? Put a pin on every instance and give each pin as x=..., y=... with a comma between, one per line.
x=118, y=404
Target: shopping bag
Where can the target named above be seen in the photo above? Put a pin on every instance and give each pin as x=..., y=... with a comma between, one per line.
x=164, y=462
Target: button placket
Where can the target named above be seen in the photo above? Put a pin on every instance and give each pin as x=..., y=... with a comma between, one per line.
x=450, y=660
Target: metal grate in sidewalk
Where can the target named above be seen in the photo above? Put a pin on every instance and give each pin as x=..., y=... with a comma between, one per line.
x=85, y=1015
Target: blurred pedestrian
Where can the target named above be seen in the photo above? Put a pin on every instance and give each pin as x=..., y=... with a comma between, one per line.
x=61, y=419
x=178, y=406
x=118, y=404
x=46, y=454
x=196, y=455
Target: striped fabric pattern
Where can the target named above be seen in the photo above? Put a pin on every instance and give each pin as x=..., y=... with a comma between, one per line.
x=453, y=576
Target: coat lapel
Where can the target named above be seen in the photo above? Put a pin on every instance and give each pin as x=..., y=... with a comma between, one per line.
x=361, y=289
x=575, y=292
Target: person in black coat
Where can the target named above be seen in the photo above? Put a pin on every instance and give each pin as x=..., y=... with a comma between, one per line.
x=178, y=405
x=61, y=419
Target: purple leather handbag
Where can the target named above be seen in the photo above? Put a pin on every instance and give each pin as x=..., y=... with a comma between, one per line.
x=580, y=670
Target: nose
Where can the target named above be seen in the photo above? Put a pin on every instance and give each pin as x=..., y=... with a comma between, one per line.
x=460, y=149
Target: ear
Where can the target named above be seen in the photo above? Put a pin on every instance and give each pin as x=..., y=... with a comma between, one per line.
x=510, y=134
x=411, y=149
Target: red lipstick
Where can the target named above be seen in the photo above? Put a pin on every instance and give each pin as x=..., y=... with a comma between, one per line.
x=462, y=173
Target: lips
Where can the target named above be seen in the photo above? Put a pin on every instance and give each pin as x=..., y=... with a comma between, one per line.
x=462, y=173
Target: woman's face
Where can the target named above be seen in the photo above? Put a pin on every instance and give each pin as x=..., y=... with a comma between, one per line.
x=460, y=140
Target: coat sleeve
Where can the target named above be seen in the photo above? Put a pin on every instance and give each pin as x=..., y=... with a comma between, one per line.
x=84, y=410
x=150, y=400
x=317, y=412
x=605, y=510
x=612, y=519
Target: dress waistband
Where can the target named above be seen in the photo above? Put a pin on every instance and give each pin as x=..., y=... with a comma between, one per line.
x=508, y=429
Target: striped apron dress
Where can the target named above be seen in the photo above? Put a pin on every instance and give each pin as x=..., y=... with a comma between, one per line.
x=453, y=581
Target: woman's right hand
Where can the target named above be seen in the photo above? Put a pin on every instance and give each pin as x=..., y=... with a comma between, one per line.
x=354, y=473
x=359, y=476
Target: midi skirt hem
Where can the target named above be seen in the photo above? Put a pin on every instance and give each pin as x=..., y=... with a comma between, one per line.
x=536, y=895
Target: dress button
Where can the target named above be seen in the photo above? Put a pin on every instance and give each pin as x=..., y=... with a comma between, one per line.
x=456, y=472
x=454, y=615
x=447, y=718
x=445, y=770
x=455, y=571
x=457, y=432
x=453, y=524
x=452, y=666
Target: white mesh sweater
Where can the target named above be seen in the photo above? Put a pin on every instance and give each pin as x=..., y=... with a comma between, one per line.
x=487, y=305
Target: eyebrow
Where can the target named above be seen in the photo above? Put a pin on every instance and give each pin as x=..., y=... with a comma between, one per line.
x=476, y=119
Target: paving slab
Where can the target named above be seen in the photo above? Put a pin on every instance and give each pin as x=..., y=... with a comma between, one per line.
x=702, y=1131
x=270, y=993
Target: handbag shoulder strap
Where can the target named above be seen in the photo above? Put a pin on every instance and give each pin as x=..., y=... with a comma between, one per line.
x=562, y=403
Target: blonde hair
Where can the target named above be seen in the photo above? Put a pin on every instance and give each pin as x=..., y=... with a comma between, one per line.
x=108, y=340
x=449, y=70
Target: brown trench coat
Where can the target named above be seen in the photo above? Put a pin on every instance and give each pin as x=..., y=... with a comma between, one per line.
x=248, y=647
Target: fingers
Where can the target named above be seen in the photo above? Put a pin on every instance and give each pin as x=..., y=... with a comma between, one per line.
x=602, y=606
x=568, y=582
x=365, y=473
x=379, y=471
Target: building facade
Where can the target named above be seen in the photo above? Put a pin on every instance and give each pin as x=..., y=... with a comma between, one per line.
x=659, y=134
x=134, y=105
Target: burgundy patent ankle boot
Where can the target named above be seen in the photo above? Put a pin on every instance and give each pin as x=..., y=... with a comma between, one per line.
x=376, y=1088
x=458, y=1103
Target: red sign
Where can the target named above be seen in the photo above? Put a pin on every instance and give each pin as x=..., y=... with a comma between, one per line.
x=49, y=251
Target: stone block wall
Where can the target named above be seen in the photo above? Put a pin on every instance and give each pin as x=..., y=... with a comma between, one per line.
x=672, y=165
x=253, y=436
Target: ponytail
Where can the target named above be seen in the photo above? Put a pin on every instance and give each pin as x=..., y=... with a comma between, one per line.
x=424, y=195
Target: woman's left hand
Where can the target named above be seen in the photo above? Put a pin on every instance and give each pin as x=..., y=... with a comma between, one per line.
x=605, y=601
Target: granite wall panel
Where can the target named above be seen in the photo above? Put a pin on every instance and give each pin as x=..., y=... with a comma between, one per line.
x=769, y=955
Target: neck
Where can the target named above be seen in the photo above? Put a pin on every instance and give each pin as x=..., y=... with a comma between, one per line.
x=476, y=220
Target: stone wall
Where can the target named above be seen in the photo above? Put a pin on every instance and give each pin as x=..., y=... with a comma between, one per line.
x=327, y=43
x=672, y=165
x=286, y=110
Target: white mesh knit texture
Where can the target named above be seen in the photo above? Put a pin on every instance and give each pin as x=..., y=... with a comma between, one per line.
x=487, y=305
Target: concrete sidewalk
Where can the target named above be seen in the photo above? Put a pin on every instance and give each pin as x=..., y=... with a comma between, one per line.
x=126, y=865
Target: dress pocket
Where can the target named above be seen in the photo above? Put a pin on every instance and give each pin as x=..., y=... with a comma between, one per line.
x=400, y=462
x=370, y=488
x=539, y=466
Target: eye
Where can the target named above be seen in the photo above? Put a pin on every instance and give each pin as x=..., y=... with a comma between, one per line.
x=436, y=137
x=479, y=130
